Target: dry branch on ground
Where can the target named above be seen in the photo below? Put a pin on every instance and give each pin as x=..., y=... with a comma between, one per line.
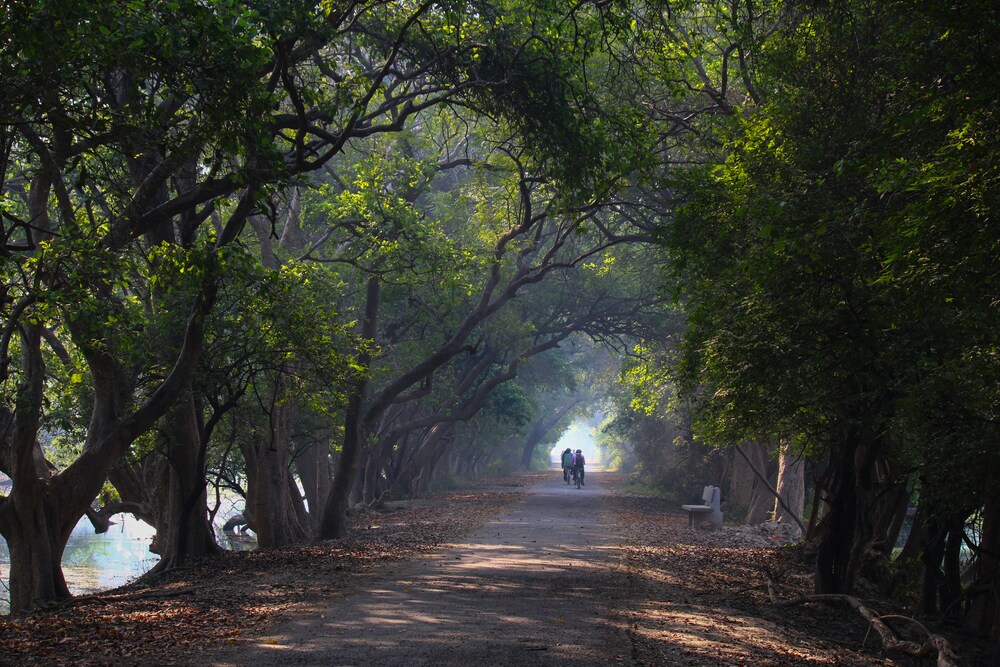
x=934, y=645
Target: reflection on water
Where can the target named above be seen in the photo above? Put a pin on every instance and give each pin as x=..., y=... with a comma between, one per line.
x=92, y=562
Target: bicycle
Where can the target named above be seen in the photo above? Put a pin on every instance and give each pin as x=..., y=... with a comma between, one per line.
x=577, y=476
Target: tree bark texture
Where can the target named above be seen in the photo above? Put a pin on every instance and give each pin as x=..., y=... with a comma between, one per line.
x=42, y=509
x=984, y=593
x=276, y=520
x=791, y=487
x=181, y=507
x=312, y=463
x=435, y=455
x=747, y=488
x=836, y=561
x=416, y=468
x=334, y=521
x=32, y=521
x=861, y=499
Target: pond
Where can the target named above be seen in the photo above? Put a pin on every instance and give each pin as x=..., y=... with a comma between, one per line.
x=94, y=563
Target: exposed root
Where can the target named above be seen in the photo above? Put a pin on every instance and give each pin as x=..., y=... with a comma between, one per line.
x=933, y=645
x=125, y=597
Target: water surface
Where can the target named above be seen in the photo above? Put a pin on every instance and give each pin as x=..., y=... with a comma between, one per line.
x=94, y=563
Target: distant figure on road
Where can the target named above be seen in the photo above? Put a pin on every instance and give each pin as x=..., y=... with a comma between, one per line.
x=567, y=464
x=578, y=463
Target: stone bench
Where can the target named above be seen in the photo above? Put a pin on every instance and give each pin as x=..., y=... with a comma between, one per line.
x=709, y=509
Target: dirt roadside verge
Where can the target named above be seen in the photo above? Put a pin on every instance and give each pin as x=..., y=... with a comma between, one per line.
x=698, y=597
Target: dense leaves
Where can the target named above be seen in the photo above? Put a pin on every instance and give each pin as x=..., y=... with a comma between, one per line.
x=834, y=266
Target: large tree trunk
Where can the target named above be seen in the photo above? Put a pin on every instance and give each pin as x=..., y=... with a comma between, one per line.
x=360, y=473
x=862, y=499
x=761, y=499
x=931, y=557
x=414, y=469
x=791, y=487
x=430, y=458
x=895, y=517
x=841, y=531
x=30, y=520
x=397, y=461
x=907, y=566
x=951, y=585
x=42, y=509
x=984, y=599
x=334, y=521
x=36, y=541
x=746, y=488
x=180, y=506
x=276, y=520
x=298, y=502
x=312, y=463
x=279, y=515
x=377, y=466
x=935, y=543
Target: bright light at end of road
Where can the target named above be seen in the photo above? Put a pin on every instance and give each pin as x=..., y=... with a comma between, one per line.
x=578, y=436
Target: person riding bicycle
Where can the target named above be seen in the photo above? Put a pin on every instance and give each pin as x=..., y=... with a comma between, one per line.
x=578, y=463
x=567, y=464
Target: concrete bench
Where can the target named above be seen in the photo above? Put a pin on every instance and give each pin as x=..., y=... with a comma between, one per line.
x=709, y=509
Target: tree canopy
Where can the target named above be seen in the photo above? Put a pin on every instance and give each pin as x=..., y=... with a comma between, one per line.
x=322, y=254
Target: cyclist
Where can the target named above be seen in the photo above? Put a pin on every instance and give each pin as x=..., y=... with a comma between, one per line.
x=567, y=464
x=578, y=463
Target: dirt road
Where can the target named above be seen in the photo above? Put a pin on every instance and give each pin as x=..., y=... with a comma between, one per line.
x=559, y=576
x=535, y=586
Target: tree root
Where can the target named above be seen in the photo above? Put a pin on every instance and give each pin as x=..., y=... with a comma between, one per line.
x=934, y=644
x=109, y=599
x=380, y=501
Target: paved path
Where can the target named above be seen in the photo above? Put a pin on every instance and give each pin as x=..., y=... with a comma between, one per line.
x=532, y=587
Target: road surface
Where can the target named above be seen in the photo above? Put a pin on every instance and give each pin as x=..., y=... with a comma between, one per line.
x=535, y=586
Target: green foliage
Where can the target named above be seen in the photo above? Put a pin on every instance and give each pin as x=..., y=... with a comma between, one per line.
x=544, y=71
x=839, y=265
x=647, y=377
x=270, y=322
x=509, y=407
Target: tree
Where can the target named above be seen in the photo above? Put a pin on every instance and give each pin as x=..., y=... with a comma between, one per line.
x=804, y=322
x=167, y=126
x=74, y=153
